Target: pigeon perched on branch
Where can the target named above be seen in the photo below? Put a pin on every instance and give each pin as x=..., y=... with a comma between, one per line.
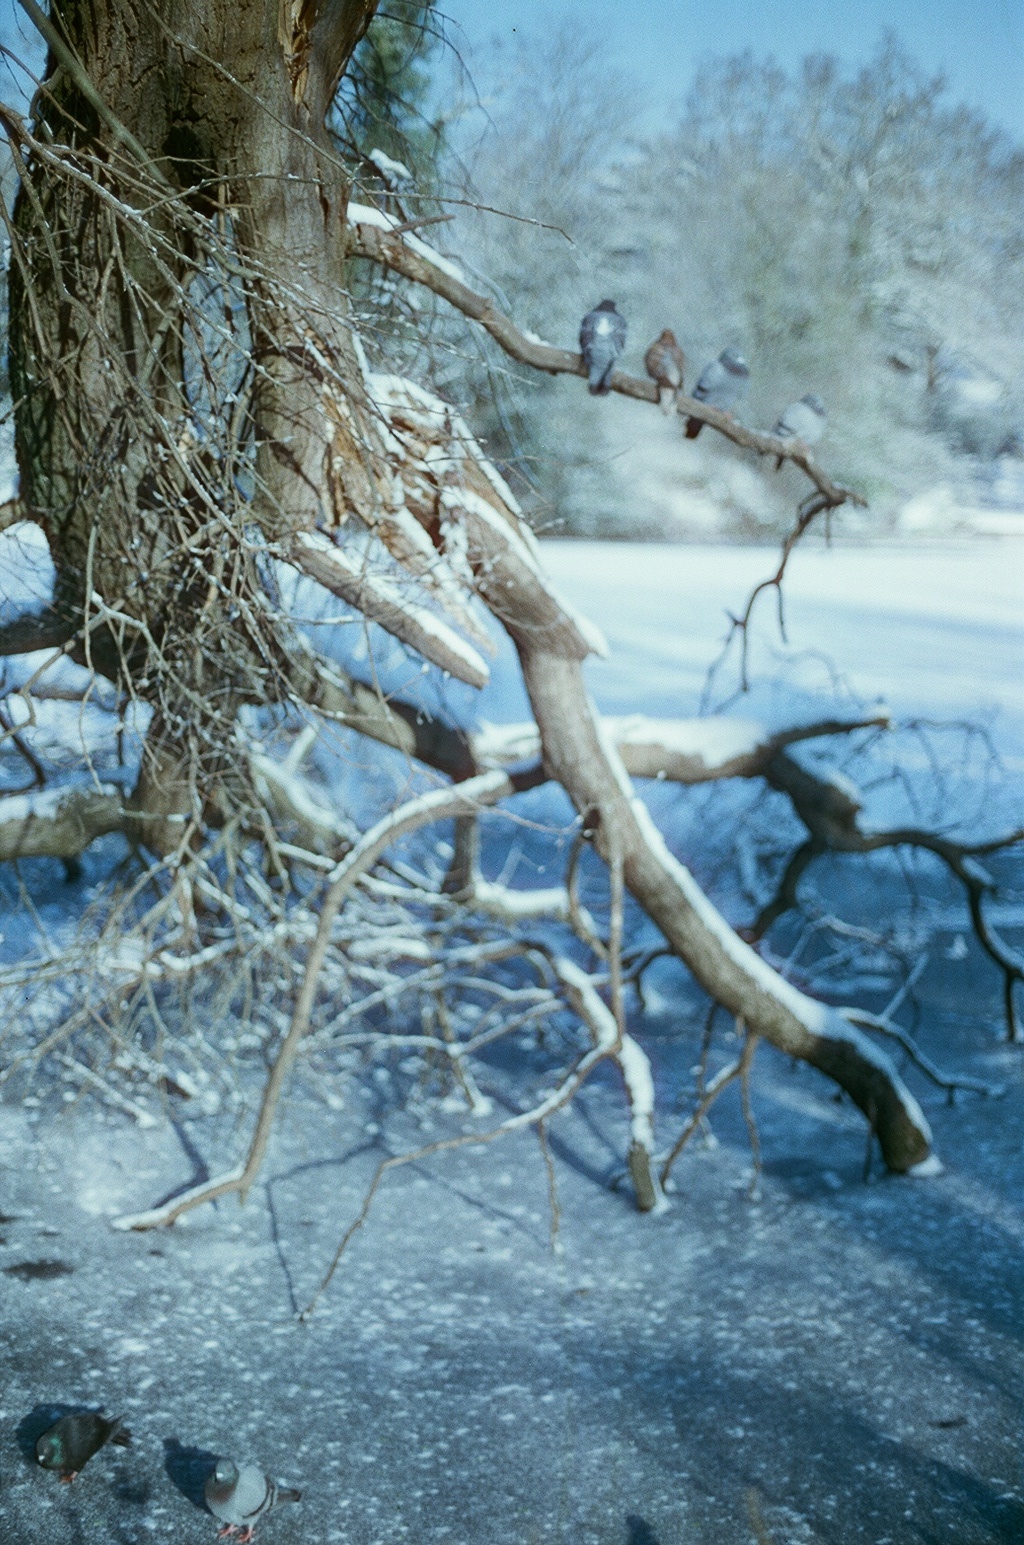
x=665, y=363
x=239, y=1495
x=721, y=385
x=803, y=420
x=602, y=340
x=69, y=1444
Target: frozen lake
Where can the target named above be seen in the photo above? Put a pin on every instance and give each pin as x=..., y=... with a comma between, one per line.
x=931, y=630
x=841, y=1360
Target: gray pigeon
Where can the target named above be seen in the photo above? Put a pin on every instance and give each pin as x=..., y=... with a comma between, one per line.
x=239, y=1495
x=665, y=363
x=803, y=420
x=602, y=340
x=69, y=1444
x=721, y=385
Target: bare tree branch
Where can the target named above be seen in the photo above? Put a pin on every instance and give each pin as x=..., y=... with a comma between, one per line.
x=832, y=818
x=374, y=237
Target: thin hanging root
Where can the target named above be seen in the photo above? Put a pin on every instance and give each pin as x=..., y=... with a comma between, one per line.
x=749, y=1052
x=722, y=1079
x=549, y=1166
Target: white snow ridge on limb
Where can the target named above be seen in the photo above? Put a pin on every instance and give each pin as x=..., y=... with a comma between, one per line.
x=381, y=599
x=367, y=214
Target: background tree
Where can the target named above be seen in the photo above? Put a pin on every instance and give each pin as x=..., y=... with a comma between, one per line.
x=383, y=103
x=853, y=231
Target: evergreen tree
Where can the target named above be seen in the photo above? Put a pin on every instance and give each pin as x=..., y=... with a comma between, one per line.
x=384, y=104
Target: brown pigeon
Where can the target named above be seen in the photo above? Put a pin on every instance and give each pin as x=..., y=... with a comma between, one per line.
x=665, y=362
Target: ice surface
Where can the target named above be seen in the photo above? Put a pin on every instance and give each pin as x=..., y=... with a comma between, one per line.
x=850, y=1352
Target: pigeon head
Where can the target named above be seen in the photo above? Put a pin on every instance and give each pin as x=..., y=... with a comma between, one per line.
x=668, y=336
x=225, y=1472
x=734, y=362
x=815, y=403
x=606, y=305
x=50, y=1451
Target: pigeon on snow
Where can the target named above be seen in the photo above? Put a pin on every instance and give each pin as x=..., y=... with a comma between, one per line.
x=239, y=1495
x=602, y=339
x=70, y=1443
x=665, y=363
x=721, y=385
x=803, y=420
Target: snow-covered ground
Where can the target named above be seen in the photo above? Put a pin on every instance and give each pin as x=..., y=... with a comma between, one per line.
x=832, y=1363
x=935, y=629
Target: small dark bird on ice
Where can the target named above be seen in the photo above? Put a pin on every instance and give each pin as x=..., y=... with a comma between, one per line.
x=665, y=363
x=70, y=1443
x=602, y=340
x=803, y=420
x=721, y=385
x=239, y=1495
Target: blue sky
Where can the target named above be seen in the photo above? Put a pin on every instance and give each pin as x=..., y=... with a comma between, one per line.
x=979, y=46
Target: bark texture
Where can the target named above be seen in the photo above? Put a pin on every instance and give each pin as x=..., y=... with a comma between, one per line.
x=179, y=154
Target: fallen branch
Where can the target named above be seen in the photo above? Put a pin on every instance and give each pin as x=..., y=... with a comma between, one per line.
x=831, y=814
x=439, y=804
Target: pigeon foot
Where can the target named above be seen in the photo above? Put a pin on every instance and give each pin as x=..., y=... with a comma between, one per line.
x=228, y=1529
x=245, y=1536
x=67, y=1479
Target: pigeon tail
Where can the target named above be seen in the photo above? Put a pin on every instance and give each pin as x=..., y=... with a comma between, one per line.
x=599, y=379
x=121, y=1436
x=667, y=399
x=694, y=427
x=288, y=1494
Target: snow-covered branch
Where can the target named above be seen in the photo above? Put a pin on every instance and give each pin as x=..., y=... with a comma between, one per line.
x=59, y=822
x=381, y=600
x=831, y=812
x=678, y=750
x=372, y=235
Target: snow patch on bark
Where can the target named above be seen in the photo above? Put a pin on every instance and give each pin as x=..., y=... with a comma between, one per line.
x=366, y=214
x=714, y=741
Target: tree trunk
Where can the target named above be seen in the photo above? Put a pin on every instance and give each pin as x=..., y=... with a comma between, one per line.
x=194, y=208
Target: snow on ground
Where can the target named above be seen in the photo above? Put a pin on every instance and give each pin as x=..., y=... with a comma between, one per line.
x=843, y=1357
x=931, y=629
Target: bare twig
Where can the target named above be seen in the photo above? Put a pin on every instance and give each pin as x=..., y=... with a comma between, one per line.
x=549, y=1169
x=748, y=1110
x=722, y=1079
x=950, y=1082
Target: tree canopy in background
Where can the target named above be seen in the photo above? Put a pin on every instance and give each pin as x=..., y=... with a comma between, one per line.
x=385, y=99
x=852, y=230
